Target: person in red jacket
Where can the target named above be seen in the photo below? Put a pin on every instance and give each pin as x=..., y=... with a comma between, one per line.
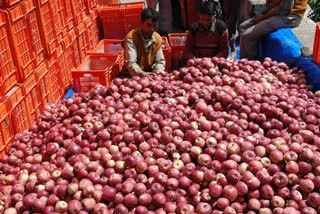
x=209, y=36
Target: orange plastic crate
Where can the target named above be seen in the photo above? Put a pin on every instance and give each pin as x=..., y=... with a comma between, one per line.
x=119, y=19
x=316, y=47
x=90, y=5
x=71, y=46
x=68, y=14
x=109, y=47
x=83, y=40
x=167, y=53
x=106, y=2
x=15, y=100
x=58, y=18
x=93, y=71
x=55, y=84
x=48, y=31
x=8, y=71
x=177, y=42
x=78, y=10
x=34, y=30
x=44, y=83
x=88, y=22
x=32, y=96
x=62, y=66
x=10, y=3
x=19, y=38
x=94, y=28
x=6, y=129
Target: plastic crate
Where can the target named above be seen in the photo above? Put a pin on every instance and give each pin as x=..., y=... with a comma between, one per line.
x=32, y=96
x=78, y=10
x=15, y=100
x=58, y=18
x=88, y=23
x=19, y=38
x=90, y=5
x=63, y=62
x=9, y=3
x=83, y=40
x=109, y=47
x=93, y=71
x=177, y=42
x=6, y=128
x=167, y=53
x=8, y=71
x=94, y=28
x=55, y=84
x=70, y=43
x=119, y=19
x=68, y=14
x=48, y=32
x=316, y=47
x=44, y=84
x=106, y=2
x=34, y=30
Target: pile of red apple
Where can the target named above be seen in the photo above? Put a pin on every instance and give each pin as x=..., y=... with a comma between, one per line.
x=215, y=137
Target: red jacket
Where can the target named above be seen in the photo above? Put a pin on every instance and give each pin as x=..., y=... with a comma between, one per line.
x=206, y=43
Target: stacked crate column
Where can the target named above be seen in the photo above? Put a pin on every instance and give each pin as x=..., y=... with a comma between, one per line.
x=8, y=72
x=48, y=31
x=15, y=100
x=34, y=30
x=19, y=38
x=6, y=128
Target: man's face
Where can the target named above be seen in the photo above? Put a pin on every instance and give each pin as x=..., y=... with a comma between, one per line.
x=148, y=28
x=206, y=20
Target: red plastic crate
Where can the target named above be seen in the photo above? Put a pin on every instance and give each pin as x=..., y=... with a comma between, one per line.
x=32, y=96
x=63, y=62
x=167, y=53
x=9, y=3
x=90, y=5
x=88, y=23
x=58, y=18
x=15, y=100
x=6, y=128
x=93, y=71
x=78, y=11
x=8, y=71
x=119, y=19
x=109, y=47
x=34, y=30
x=71, y=46
x=44, y=83
x=177, y=42
x=19, y=38
x=106, y=2
x=316, y=46
x=55, y=84
x=48, y=32
x=68, y=14
x=94, y=28
x=83, y=40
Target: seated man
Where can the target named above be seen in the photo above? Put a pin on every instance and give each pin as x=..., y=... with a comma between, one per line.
x=143, y=51
x=209, y=36
x=277, y=14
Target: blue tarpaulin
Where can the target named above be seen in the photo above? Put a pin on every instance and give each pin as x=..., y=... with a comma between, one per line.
x=312, y=71
x=281, y=45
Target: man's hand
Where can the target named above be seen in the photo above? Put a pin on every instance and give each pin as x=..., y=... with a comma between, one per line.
x=258, y=18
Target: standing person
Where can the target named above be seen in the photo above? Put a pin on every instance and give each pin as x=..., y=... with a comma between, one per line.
x=277, y=14
x=231, y=12
x=209, y=36
x=143, y=46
